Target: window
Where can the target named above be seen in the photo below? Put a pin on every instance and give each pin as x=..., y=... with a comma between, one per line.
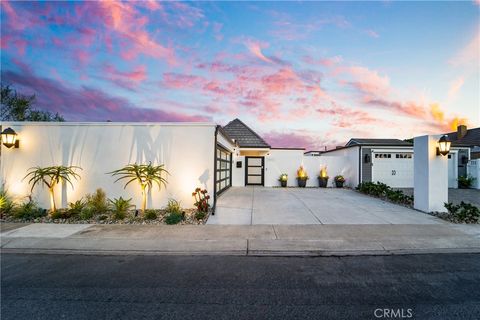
x=383, y=155
x=403, y=156
x=223, y=171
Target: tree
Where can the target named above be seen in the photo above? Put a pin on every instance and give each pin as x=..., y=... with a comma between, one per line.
x=18, y=107
x=51, y=176
x=145, y=174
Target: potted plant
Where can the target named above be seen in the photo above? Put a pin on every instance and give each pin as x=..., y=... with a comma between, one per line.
x=302, y=177
x=323, y=178
x=283, y=179
x=339, y=181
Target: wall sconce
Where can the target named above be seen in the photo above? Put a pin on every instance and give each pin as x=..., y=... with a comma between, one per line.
x=9, y=138
x=443, y=147
x=367, y=158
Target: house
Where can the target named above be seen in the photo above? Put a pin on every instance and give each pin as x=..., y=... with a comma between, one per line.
x=202, y=155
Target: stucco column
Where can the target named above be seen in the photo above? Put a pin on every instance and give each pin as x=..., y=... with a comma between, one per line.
x=430, y=175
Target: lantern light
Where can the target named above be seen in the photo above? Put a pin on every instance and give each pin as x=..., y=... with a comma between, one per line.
x=443, y=147
x=9, y=138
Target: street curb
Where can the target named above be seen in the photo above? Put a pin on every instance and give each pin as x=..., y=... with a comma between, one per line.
x=256, y=253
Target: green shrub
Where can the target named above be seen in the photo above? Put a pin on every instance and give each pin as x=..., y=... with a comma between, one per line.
x=173, y=206
x=200, y=215
x=7, y=205
x=463, y=212
x=384, y=191
x=173, y=218
x=120, y=207
x=97, y=201
x=87, y=213
x=76, y=208
x=29, y=210
x=150, y=214
x=465, y=182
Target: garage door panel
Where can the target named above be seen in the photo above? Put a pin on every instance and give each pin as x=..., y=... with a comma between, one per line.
x=393, y=168
x=223, y=169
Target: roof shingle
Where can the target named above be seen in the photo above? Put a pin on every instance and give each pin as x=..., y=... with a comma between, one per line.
x=244, y=136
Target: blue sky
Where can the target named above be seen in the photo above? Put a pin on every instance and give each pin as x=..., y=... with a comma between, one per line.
x=308, y=74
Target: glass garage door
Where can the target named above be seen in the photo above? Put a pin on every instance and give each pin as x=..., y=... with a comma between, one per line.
x=223, y=170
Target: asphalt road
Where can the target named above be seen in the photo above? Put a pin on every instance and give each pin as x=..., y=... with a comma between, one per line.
x=177, y=287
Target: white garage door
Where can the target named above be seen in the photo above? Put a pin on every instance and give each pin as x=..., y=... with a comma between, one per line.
x=393, y=168
x=396, y=169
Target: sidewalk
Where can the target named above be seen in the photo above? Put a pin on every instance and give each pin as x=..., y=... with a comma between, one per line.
x=281, y=240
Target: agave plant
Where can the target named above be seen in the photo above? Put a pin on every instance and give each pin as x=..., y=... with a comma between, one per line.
x=145, y=175
x=50, y=177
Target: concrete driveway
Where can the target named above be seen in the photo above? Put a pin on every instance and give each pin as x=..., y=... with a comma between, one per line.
x=259, y=205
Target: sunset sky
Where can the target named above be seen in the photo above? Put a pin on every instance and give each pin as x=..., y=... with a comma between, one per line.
x=302, y=74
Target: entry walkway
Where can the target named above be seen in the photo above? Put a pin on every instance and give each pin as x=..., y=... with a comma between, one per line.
x=290, y=206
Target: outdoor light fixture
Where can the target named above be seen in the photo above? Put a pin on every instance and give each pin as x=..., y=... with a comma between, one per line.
x=443, y=146
x=9, y=138
x=367, y=158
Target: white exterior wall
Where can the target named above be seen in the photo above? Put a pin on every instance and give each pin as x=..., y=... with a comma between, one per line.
x=238, y=174
x=430, y=175
x=280, y=161
x=186, y=150
x=473, y=169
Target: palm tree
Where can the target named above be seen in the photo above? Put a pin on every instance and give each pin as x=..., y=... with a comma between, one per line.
x=51, y=176
x=145, y=174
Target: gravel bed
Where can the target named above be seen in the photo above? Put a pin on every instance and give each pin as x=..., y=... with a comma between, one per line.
x=107, y=218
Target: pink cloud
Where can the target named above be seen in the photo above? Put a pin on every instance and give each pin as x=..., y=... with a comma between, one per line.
x=84, y=103
x=468, y=55
x=371, y=33
x=300, y=139
x=455, y=87
x=326, y=62
x=126, y=79
x=256, y=47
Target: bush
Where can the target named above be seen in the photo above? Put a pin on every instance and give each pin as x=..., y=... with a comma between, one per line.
x=150, y=214
x=97, y=202
x=87, y=213
x=76, y=208
x=200, y=215
x=7, y=205
x=173, y=218
x=60, y=214
x=173, y=206
x=29, y=210
x=463, y=212
x=465, y=182
x=120, y=207
x=384, y=191
x=201, y=200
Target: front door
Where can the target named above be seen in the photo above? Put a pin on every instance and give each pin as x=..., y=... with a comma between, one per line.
x=254, y=171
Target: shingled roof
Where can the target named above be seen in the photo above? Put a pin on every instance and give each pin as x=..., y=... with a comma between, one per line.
x=244, y=136
x=471, y=138
x=379, y=142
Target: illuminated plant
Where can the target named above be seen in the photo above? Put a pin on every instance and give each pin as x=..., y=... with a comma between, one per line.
x=283, y=177
x=145, y=175
x=323, y=173
x=51, y=177
x=201, y=200
x=302, y=174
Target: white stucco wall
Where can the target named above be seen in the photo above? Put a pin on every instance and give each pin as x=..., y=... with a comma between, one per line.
x=344, y=162
x=430, y=175
x=186, y=150
x=238, y=174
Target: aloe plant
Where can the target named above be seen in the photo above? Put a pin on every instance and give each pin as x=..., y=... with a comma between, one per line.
x=51, y=177
x=146, y=175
